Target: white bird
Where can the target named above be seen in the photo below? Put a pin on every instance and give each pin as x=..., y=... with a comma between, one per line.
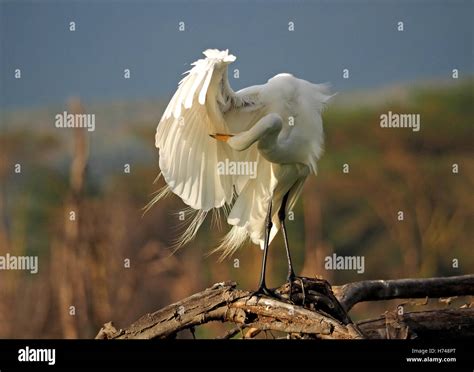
x=276, y=126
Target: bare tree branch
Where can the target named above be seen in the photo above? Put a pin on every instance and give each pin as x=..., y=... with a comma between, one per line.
x=223, y=302
x=445, y=323
x=377, y=290
x=313, y=312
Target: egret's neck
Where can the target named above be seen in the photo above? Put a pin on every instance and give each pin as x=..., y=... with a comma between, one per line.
x=265, y=131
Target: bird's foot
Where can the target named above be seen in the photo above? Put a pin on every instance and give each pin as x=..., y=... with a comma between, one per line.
x=302, y=291
x=264, y=291
x=293, y=280
x=314, y=294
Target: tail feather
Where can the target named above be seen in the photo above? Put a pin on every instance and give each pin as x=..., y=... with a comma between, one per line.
x=231, y=242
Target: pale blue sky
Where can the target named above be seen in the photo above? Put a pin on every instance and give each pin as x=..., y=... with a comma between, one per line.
x=143, y=36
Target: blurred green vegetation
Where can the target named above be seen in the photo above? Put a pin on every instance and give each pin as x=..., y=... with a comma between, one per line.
x=352, y=213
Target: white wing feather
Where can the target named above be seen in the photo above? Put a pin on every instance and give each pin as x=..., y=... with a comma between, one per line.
x=188, y=155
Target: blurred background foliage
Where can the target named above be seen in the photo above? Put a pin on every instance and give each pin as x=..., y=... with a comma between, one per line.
x=82, y=262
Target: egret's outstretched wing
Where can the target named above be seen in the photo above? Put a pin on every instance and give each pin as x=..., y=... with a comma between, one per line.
x=188, y=155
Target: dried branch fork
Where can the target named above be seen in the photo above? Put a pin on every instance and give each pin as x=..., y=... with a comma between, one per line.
x=313, y=312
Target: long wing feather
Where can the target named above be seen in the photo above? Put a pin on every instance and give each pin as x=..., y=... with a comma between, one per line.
x=188, y=156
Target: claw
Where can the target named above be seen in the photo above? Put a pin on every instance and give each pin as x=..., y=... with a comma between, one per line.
x=264, y=291
x=290, y=280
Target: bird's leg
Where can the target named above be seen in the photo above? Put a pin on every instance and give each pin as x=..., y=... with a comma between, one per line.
x=291, y=272
x=281, y=217
x=262, y=287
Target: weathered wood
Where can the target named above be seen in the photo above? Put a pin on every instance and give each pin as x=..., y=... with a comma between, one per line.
x=313, y=312
x=438, y=324
x=223, y=302
x=377, y=290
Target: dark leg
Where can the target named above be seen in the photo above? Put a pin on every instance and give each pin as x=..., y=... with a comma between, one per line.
x=291, y=272
x=262, y=287
x=281, y=217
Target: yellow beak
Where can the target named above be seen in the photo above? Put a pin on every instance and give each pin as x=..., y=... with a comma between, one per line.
x=221, y=137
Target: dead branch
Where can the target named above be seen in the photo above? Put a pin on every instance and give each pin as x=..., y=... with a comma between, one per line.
x=224, y=302
x=441, y=324
x=377, y=290
x=313, y=312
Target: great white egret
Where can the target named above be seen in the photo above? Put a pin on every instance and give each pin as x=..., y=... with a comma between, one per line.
x=276, y=126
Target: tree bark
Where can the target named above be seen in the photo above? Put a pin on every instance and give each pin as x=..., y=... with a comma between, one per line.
x=437, y=324
x=376, y=290
x=314, y=311
x=224, y=302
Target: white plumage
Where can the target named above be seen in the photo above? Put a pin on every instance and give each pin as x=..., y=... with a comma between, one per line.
x=278, y=125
